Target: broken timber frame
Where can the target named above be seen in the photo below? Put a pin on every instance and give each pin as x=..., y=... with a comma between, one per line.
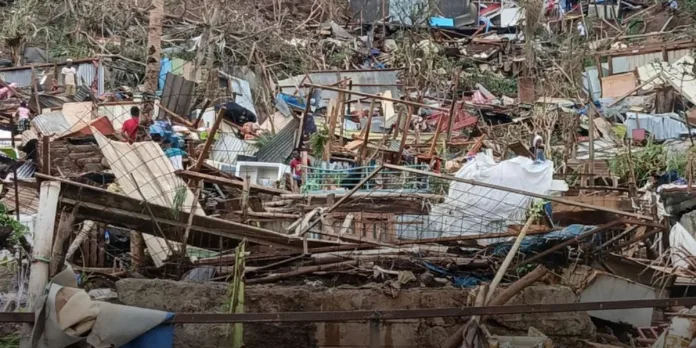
x=124, y=211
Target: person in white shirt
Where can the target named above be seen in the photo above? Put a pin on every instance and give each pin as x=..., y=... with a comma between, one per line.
x=69, y=73
x=581, y=30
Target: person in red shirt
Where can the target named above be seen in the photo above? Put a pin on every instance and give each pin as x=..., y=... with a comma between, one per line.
x=296, y=167
x=130, y=127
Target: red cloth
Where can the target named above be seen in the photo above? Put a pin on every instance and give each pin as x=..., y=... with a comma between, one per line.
x=130, y=127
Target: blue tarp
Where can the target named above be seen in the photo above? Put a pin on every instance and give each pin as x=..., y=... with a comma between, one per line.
x=537, y=243
x=165, y=67
x=459, y=280
x=161, y=336
x=441, y=22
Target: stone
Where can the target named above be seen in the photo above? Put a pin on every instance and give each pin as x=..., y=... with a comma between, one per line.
x=554, y=325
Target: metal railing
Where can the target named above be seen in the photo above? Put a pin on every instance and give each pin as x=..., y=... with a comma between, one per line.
x=321, y=180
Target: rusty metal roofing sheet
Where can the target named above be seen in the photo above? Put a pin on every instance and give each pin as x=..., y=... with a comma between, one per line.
x=52, y=124
x=365, y=81
x=28, y=199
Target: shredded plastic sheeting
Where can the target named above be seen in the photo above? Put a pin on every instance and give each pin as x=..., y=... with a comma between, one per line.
x=476, y=210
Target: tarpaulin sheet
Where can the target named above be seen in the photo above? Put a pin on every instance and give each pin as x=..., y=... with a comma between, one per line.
x=661, y=126
x=683, y=245
x=476, y=210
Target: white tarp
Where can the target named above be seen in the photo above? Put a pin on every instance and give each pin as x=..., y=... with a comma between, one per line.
x=683, y=245
x=661, y=126
x=474, y=210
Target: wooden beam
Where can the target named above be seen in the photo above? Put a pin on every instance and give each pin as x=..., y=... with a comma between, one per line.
x=366, y=138
x=522, y=192
x=455, y=87
x=210, y=140
x=407, y=128
x=101, y=205
x=308, y=107
x=229, y=182
x=200, y=115
x=180, y=119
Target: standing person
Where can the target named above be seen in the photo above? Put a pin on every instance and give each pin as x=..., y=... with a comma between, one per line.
x=296, y=167
x=130, y=127
x=582, y=31
x=537, y=149
x=69, y=72
x=23, y=117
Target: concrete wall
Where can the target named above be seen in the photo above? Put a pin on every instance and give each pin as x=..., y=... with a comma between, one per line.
x=210, y=298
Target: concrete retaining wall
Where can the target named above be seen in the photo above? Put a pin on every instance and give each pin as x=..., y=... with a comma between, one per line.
x=210, y=298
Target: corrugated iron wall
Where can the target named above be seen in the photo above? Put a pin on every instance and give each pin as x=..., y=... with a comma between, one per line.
x=629, y=63
x=386, y=79
x=86, y=74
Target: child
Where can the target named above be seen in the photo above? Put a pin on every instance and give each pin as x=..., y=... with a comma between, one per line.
x=23, y=114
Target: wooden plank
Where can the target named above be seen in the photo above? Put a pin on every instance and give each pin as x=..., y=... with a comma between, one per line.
x=525, y=91
x=615, y=86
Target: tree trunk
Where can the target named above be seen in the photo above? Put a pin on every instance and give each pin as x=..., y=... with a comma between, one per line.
x=154, y=51
x=205, y=56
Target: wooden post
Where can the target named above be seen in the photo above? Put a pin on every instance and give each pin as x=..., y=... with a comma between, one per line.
x=245, y=197
x=210, y=140
x=152, y=68
x=366, y=138
x=308, y=108
x=137, y=246
x=41, y=255
x=65, y=224
x=206, y=103
x=404, y=137
x=35, y=89
x=189, y=223
x=590, y=115
x=438, y=131
x=455, y=86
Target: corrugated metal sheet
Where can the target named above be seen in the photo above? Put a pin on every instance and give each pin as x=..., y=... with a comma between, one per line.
x=144, y=167
x=25, y=171
x=679, y=73
x=20, y=77
x=28, y=199
x=86, y=73
x=629, y=63
x=366, y=77
x=227, y=147
x=52, y=123
x=280, y=147
x=177, y=94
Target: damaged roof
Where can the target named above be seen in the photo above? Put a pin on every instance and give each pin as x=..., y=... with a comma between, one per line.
x=280, y=147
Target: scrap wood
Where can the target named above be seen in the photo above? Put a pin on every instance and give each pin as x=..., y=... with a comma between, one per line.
x=176, y=117
x=302, y=271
